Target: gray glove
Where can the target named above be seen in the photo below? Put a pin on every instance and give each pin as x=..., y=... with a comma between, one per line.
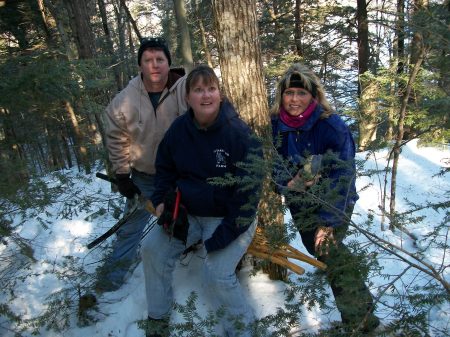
x=312, y=166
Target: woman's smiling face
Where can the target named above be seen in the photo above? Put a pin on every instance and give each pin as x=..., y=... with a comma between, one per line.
x=296, y=100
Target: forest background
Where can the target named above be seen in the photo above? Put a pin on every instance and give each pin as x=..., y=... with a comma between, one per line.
x=385, y=66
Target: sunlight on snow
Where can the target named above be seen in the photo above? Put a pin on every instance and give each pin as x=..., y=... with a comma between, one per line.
x=79, y=228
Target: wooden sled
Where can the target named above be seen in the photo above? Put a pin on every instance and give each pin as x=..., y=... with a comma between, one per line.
x=260, y=248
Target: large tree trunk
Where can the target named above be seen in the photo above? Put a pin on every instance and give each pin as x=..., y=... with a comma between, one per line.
x=122, y=46
x=186, y=51
x=46, y=23
x=131, y=20
x=298, y=28
x=109, y=43
x=242, y=75
x=54, y=7
x=240, y=59
x=368, y=112
x=79, y=147
x=81, y=28
x=398, y=57
x=202, y=29
x=418, y=52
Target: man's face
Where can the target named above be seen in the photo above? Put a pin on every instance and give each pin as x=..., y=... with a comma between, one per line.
x=154, y=66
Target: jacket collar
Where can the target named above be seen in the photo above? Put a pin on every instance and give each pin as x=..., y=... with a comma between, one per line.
x=307, y=126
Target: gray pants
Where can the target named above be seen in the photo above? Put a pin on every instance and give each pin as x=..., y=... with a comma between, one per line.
x=219, y=280
x=124, y=252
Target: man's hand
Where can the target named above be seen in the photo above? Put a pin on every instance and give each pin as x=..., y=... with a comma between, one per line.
x=322, y=240
x=173, y=216
x=126, y=186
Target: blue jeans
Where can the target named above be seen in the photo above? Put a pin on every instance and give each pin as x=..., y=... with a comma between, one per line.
x=124, y=252
x=219, y=280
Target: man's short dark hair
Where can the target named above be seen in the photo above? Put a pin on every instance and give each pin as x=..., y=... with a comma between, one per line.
x=157, y=43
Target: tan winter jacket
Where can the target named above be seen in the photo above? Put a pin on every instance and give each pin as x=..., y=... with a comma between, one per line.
x=134, y=129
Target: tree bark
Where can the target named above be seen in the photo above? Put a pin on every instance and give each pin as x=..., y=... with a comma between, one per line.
x=130, y=18
x=366, y=88
x=237, y=39
x=298, y=28
x=186, y=50
x=203, y=38
x=46, y=23
x=55, y=12
x=79, y=147
x=109, y=43
x=398, y=59
x=399, y=138
x=81, y=28
x=418, y=52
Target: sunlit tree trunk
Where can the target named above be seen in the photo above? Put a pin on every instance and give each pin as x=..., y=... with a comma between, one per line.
x=81, y=28
x=203, y=36
x=55, y=9
x=240, y=60
x=79, y=147
x=47, y=23
x=130, y=19
x=298, y=28
x=242, y=74
x=186, y=51
x=398, y=59
x=367, y=88
x=418, y=51
x=109, y=43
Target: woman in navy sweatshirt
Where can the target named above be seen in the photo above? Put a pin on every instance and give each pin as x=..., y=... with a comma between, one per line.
x=208, y=141
x=317, y=177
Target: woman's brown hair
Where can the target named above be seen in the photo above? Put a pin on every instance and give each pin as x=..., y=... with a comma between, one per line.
x=202, y=73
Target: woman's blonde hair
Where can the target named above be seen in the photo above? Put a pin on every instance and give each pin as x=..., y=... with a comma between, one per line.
x=309, y=81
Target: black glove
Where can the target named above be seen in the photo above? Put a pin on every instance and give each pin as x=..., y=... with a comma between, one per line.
x=179, y=227
x=126, y=186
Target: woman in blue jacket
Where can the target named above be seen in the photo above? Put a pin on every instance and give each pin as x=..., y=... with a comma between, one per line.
x=317, y=176
x=206, y=142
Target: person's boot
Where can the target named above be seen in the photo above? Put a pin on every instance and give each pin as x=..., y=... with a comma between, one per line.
x=157, y=327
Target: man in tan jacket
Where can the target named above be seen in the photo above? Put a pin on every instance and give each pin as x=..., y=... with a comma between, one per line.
x=137, y=119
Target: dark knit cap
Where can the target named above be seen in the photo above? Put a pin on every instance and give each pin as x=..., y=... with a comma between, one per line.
x=154, y=43
x=295, y=81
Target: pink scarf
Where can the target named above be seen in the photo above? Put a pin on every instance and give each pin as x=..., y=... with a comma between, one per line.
x=297, y=121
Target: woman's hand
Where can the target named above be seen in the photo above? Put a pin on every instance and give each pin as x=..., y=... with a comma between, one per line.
x=324, y=236
x=294, y=181
x=159, y=210
x=299, y=181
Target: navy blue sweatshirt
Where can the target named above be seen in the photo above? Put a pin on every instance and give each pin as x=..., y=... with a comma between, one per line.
x=188, y=156
x=321, y=136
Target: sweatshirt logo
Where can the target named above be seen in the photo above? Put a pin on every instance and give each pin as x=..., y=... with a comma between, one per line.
x=221, y=156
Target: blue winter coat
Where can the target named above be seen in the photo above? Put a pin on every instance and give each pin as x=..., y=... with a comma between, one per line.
x=330, y=137
x=188, y=156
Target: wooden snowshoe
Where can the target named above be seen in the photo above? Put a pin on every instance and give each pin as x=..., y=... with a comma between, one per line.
x=260, y=248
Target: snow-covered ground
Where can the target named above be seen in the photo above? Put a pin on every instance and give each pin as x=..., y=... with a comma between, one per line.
x=119, y=311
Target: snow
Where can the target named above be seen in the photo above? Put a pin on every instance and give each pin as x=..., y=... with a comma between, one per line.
x=119, y=311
